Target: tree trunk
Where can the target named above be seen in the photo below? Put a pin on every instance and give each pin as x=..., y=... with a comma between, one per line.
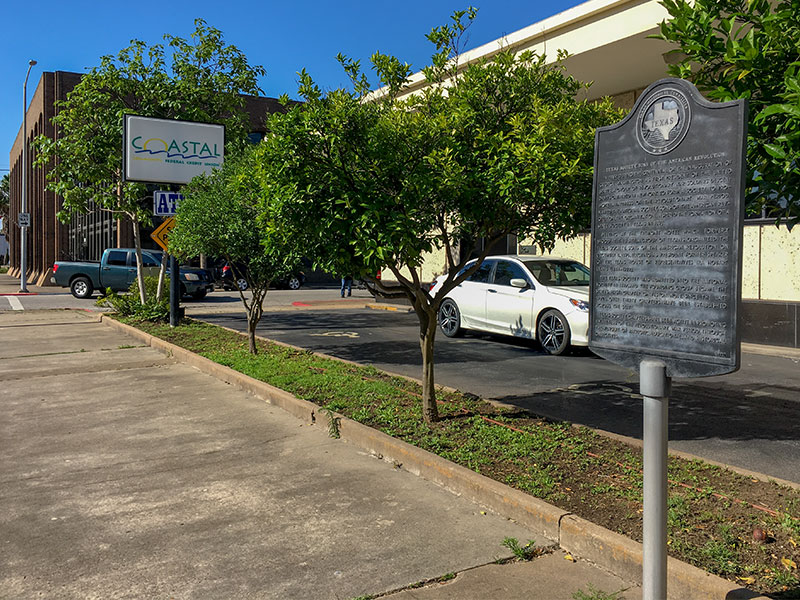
x=137, y=242
x=427, y=334
x=251, y=334
x=162, y=272
x=254, y=313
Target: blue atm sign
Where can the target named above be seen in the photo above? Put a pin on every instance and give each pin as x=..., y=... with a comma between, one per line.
x=165, y=204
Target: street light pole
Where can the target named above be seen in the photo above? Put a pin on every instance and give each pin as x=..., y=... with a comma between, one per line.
x=23, y=235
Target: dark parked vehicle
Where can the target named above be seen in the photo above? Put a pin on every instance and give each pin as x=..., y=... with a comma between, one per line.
x=229, y=281
x=117, y=270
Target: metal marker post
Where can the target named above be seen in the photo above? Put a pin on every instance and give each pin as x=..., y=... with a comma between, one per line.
x=174, y=291
x=655, y=387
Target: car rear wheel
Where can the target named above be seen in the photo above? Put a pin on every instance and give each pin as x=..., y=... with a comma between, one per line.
x=553, y=332
x=293, y=283
x=81, y=287
x=450, y=319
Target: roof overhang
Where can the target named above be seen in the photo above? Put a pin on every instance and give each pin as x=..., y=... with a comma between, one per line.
x=607, y=41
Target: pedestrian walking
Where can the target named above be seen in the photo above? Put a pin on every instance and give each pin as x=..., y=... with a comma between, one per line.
x=347, y=282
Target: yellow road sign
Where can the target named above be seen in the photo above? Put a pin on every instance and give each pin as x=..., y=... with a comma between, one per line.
x=161, y=234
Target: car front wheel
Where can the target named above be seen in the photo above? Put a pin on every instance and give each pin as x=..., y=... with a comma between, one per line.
x=242, y=283
x=293, y=283
x=450, y=319
x=553, y=332
x=81, y=287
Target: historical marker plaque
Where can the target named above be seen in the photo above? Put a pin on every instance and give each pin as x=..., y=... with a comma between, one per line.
x=667, y=218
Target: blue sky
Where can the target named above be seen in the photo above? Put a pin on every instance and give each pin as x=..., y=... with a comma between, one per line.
x=284, y=37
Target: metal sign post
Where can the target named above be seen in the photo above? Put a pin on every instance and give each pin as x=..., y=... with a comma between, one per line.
x=655, y=387
x=174, y=291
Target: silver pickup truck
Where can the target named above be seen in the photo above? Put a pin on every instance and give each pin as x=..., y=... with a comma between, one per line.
x=117, y=270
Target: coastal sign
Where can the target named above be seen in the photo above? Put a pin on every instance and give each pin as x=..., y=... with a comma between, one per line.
x=168, y=151
x=667, y=217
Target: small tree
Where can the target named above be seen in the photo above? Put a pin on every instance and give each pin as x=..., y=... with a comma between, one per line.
x=379, y=182
x=220, y=217
x=749, y=49
x=204, y=82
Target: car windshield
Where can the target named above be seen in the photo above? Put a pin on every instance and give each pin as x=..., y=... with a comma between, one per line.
x=558, y=272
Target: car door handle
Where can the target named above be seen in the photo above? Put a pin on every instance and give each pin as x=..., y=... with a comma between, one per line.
x=492, y=291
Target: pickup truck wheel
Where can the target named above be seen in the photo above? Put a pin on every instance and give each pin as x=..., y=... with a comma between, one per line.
x=81, y=287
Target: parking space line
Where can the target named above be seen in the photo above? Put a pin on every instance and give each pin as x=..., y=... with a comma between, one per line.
x=15, y=303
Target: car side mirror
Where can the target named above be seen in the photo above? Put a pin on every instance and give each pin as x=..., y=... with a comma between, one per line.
x=519, y=283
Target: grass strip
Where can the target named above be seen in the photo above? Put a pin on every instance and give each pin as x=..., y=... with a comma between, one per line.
x=712, y=520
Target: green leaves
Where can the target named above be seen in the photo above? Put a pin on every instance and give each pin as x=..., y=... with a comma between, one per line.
x=234, y=214
x=749, y=50
x=379, y=181
x=381, y=184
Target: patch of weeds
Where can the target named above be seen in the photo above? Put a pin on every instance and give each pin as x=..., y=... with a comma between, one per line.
x=783, y=577
x=595, y=594
x=130, y=305
x=536, y=482
x=790, y=524
x=526, y=552
x=333, y=423
x=677, y=511
x=720, y=554
x=602, y=488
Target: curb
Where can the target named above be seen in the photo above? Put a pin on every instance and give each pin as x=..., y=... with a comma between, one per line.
x=390, y=307
x=596, y=544
x=779, y=351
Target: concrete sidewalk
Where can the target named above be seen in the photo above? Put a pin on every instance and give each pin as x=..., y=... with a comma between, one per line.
x=10, y=285
x=127, y=474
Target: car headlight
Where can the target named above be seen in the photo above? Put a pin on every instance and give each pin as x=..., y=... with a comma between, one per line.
x=580, y=304
x=190, y=276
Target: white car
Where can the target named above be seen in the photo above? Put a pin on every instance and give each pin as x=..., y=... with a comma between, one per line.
x=546, y=299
